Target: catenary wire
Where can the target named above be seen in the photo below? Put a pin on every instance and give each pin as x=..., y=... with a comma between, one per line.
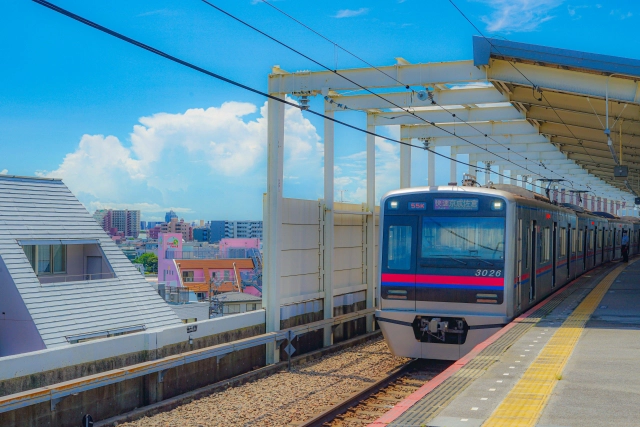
x=364, y=88
x=538, y=163
x=248, y=88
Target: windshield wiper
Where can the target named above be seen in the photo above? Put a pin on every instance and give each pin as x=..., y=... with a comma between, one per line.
x=481, y=260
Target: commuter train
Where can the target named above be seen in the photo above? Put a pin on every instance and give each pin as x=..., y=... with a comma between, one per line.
x=457, y=263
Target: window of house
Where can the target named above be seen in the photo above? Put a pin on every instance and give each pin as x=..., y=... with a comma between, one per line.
x=233, y=308
x=252, y=307
x=226, y=275
x=187, y=276
x=47, y=259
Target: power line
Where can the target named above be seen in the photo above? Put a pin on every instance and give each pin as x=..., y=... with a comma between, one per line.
x=242, y=86
x=538, y=163
x=535, y=87
x=360, y=86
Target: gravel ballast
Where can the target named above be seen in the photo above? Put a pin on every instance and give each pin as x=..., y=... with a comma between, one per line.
x=285, y=398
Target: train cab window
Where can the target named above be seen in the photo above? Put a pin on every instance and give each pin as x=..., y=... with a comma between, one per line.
x=458, y=237
x=546, y=245
x=399, y=253
x=562, y=241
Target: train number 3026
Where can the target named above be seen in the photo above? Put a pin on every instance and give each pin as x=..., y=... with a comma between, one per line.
x=488, y=273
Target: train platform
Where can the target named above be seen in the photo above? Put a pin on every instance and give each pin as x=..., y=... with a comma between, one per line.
x=572, y=360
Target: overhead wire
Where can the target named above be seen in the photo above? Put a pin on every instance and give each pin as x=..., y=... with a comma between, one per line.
x=534, y=86
x=243, y=86
x=335, y=71
x=456, y=118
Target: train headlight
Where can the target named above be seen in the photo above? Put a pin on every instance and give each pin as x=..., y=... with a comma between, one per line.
x=497, y=205
x=393, y=204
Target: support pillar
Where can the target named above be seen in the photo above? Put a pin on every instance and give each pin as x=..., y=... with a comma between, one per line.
x=501, y=176
x=273, y=222
x=473, y=165
x=453, y=170
x=431, y=168
x=371, y=220
x=327, y=276
x=405, y=163
x=487, y=172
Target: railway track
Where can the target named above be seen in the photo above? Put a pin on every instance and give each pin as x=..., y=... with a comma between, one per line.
x=368, y=404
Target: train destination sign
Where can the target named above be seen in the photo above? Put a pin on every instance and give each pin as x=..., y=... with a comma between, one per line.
x=455, y=204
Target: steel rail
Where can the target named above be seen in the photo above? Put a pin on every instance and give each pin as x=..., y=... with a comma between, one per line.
x=356, y=398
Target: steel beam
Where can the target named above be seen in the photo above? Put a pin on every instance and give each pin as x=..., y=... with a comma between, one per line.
x=514, y=127
x=407, y=99
x=411, y=74
x=447, y=116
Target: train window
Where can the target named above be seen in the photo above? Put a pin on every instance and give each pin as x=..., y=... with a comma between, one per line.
x=574, y=246
x=458, y=237
x=591, y=233
x=599, y=243
x=580, y=241
x=399, y=252
x=563, y=242
x=546, y=246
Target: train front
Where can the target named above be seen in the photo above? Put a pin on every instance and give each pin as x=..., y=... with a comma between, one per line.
x=442, y=270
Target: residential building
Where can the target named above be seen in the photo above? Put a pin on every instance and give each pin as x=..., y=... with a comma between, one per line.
x=239, y=302
x=153, y=232
x=201, y=234
x=175, y=226
x=151, y=224
x=119, y=222
x=235, y=230
x=198, y=270
x=64, y=281
x=143, y=225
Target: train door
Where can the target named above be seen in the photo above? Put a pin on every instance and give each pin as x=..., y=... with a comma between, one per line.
x=569, y=237
x=585, y=246
x=554, y=254
x=595, y=246
x=398, y=281
x=533, y=252
x=519, y=243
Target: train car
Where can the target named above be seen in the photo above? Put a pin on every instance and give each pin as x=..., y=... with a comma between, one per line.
x=458, y=263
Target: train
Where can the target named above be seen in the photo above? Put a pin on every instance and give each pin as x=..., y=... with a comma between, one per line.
x=457, y=263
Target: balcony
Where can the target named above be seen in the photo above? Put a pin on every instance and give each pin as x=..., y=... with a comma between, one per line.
x=64, y=278
x=198, y=254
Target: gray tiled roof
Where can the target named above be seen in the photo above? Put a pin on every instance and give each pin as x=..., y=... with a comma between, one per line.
x=32, y=208
x=238, y=297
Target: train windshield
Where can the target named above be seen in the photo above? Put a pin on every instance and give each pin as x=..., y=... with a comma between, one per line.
x=463, y=238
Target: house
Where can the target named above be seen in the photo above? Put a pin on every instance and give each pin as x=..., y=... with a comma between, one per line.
x=63, y=279
x=238, y=302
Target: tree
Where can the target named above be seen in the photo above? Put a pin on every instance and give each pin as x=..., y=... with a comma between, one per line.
x=149, y=260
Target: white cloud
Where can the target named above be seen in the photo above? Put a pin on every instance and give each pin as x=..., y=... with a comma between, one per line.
x=519, y=15
x=211, y=160
x=4, y=172
x=350, y=13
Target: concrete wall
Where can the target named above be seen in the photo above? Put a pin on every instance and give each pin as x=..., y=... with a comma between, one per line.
x=45, y=367
x=18, y=332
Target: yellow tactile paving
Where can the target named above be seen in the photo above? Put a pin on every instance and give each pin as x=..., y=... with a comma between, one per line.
x=523, y=405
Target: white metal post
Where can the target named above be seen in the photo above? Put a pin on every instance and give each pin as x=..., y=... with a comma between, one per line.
x=371, y=220
x=273, y=222
x=405, y=163
x=453, y=169
x=431, y=167
x=501, y=176
x=473, y=164
x=328, y=224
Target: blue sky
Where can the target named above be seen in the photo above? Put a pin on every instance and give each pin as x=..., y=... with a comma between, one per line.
x=125, y=128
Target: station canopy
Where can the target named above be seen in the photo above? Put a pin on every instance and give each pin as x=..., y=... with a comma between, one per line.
x=544, y=104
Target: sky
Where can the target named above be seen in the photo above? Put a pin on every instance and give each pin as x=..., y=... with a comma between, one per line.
x=127, y=129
